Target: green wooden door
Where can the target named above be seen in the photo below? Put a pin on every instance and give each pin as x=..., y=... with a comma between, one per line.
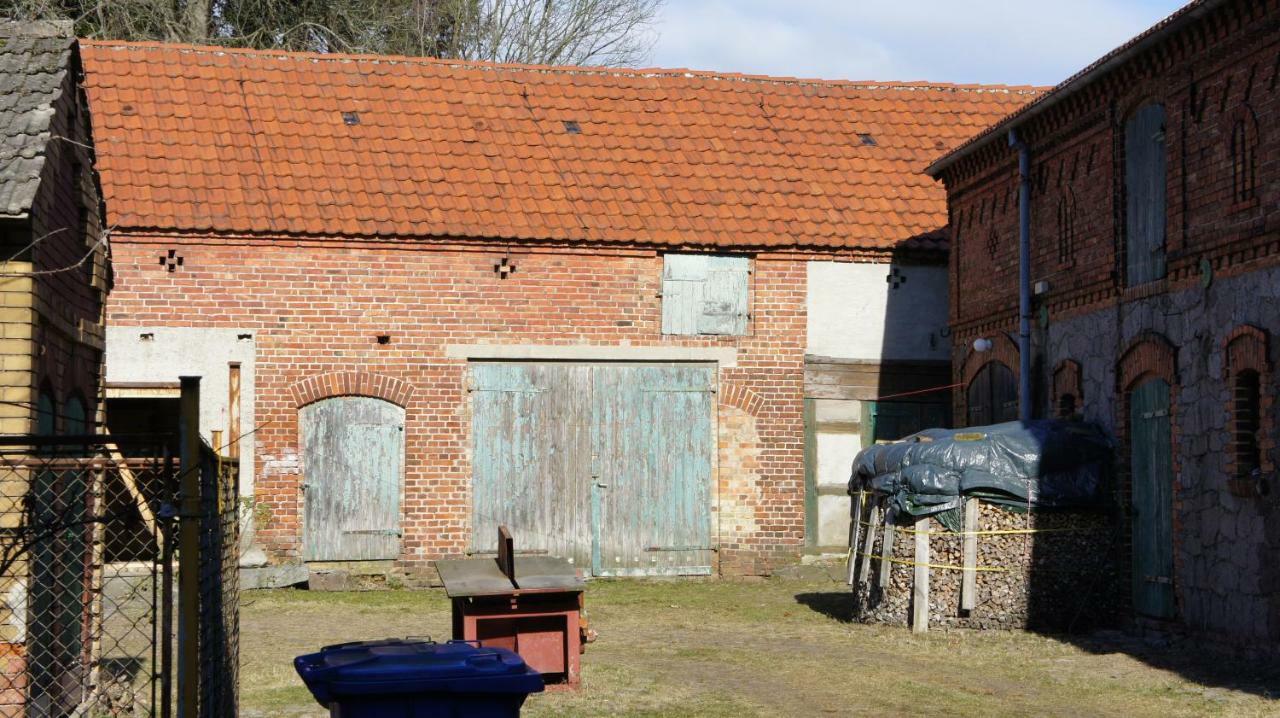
x=353, y=459
x=1151, y=464
x=607, y=465
x=653, y=445
x=531, y=458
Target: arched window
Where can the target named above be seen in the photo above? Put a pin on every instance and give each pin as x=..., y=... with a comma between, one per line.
x=1144, y=190
x=46, y=414
x=1246, y=422
x=992, y=395
x=75, y=416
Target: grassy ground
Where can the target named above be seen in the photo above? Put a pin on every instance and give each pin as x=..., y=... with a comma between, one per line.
x=772, y=648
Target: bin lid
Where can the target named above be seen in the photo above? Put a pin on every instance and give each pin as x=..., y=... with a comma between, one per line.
x=403, y=666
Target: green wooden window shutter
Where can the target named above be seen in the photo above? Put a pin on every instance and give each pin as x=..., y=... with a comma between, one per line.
x=1144, y=178
x=705, y=294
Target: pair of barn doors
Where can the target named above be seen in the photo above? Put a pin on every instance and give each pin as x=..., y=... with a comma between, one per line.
x=609, y=465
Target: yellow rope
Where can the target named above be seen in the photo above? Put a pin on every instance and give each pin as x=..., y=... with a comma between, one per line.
x=945, y=566
x=992, y=532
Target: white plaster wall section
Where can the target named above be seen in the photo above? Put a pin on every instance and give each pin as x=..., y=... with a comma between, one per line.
x=162, y=354
x=835, y=452
x=877, y=311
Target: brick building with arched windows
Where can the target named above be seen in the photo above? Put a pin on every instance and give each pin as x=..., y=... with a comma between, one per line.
x=1155, y=268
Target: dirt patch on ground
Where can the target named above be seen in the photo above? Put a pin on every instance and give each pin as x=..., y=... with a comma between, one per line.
x=780, y=647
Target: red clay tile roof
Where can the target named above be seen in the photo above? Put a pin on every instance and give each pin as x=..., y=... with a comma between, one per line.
x=233, y=141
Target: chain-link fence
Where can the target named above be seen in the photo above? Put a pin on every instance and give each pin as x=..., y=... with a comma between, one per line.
x=85, y=559
x=88, y=596
x=219, y=585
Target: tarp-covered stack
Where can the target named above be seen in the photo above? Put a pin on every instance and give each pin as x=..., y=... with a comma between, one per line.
x=1005, y=526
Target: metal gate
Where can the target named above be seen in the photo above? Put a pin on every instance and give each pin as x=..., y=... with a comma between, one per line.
x=1151, y=463
x=85, y=574
x=90, y=596
x=608, y=465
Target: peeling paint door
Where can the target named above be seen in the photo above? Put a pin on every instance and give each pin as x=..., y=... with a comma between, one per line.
x=531, y=456
x=608, y=465
x=353, y=460
x=1151, y=462
x=652, y=476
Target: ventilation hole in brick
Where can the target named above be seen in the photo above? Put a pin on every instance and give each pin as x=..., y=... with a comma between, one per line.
x=244, y=337
x=171, y=260
x=146, y=337
x=384, y=338
x=350, y=118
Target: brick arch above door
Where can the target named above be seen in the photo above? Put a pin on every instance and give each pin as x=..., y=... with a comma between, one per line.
x=1148, y=355
x=1003, y=350
x=351, y=383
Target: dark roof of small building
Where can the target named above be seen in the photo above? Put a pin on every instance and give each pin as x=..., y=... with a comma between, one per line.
x=1151, y=37
x=34, y=57
x=208, y=139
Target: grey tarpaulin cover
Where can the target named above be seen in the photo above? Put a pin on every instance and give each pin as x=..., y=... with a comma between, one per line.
x=1043, y=463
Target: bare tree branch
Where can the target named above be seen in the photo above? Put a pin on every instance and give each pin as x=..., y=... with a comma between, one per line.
x=579, y=32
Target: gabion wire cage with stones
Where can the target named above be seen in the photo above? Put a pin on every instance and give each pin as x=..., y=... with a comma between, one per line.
x=85, y=562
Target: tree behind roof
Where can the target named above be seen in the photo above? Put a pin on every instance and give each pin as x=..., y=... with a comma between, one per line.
x=576, y=32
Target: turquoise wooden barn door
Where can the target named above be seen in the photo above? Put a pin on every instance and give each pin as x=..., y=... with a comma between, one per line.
x=653, y=445
x=1151, y=463
x=607, y=465
x=531, y=455
x=353, y=462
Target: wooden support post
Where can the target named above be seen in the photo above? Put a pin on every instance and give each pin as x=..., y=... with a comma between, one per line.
x=855, y=512
x=130, y=481
x=969, y=580
x=886, y=551
x=869, y=542
x=233, y=410
x=920, y=587
x=189, y=549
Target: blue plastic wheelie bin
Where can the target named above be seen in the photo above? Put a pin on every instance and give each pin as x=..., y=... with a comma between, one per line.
x=408, y=678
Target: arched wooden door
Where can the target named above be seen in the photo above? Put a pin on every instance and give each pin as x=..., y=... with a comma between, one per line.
x=1151, y=467
x=992, y=397
x=353, y=463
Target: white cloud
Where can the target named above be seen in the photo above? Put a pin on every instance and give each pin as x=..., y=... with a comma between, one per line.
x=1027, y=42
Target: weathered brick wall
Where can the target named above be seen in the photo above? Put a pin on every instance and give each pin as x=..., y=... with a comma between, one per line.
x=1220, y=86
x=316, y=309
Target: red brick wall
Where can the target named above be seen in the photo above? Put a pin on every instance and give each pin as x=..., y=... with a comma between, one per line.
x=1223, y=253
x=1227, y=71
x=315, y=309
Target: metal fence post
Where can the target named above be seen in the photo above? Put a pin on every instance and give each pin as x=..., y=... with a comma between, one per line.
x=189, y=550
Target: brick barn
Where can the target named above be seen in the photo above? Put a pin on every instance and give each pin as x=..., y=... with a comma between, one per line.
x=1155, y=265
x=453, y=295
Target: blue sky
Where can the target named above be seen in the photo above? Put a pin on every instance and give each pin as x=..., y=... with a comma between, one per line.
x=1016, y=42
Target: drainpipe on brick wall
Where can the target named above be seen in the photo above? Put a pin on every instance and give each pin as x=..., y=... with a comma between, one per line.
x=1024, y=275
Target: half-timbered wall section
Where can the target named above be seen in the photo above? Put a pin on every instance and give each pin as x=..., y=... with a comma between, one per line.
x=1156, y=302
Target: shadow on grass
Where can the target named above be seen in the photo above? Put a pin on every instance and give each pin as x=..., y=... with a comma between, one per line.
x=832, y=604
x=1188, y=658
x=1184, y=657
